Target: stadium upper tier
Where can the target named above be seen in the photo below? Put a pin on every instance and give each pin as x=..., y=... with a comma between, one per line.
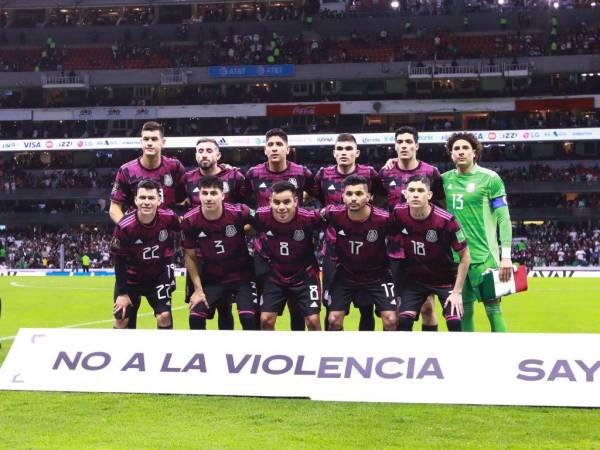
x=273, y=48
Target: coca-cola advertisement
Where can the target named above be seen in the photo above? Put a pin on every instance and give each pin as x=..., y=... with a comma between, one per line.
x=304, y=109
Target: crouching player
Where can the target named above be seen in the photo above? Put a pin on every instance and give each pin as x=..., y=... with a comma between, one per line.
x=216, y=256
x=427, y=234
x=285, y=241
x=143, y=246
x=356, y=237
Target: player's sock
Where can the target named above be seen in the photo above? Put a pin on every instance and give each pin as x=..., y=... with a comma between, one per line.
x=197, y=322
x=225, y=320
x=367, y=320
x=132, y=324
x=248, y=321
x=467, y=322
x=495, y=317
x=296, y=320
x=405, y=323
x=168, y=327
x=429, y=327
x=453, y=323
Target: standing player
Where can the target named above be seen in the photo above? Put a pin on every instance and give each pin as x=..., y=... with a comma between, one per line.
x=167, y=172
x=215, y=247
x=428, y=234
x=477, y=198
x=394, y=176
x=285, y=241
x=143, y=248
x=328, y=189
x=259, y=182
x=208, y=155
x=357, y=237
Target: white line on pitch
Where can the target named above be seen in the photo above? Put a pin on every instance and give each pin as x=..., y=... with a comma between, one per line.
x=96, y=322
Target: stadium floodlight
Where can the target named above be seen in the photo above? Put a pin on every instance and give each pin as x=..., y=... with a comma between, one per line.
x=555, y=5
x=501, y=2
x=395, y=4
x=593, y=4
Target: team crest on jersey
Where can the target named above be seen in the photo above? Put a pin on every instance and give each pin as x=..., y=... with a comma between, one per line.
x=431, y=236
x=230, y=231
x=298, y=235
x=163, y=235
x=168, y=180
x=294, y=182
x=225, y=187
x=372, y=235
x=471, y=187
x=115, y=243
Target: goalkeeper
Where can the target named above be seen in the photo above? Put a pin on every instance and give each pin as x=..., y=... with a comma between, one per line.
x=477, y=198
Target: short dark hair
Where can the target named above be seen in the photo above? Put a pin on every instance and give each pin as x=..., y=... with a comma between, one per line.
x=282, y=186
x=276, y=132
x=147, y=184
x=210, y=181
x=407, y=129
x=355, y=180
x=420, y=177
x=210, y=140
x=153, y=126
x=469, y=137
x=346, y=137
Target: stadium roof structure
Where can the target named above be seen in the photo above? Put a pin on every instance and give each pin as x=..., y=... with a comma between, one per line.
x=32, y=4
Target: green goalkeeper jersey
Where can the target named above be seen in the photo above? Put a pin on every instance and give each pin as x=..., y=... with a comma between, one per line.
x=472, y=198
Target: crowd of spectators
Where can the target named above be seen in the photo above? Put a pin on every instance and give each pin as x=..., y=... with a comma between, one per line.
x=533, y=245
x=575, y=173
x=36, y=249
x=324, y=124
x=551, y=245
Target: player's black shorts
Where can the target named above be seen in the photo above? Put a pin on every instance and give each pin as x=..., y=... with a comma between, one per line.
x=242, y=292
x=158, y=295
x=381, y=294
x=413, y=295
x=307, y=296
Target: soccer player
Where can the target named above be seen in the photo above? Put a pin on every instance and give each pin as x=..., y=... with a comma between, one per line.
x=394, y=176
x=328, y=189
x=259, y=181
x=216, y=256
x=285, y=241
x=167, y=172
x=427, y=236
x=260, y=178
x=208, y=155
x=357, y=236
x=477, y=198
x=143, y=248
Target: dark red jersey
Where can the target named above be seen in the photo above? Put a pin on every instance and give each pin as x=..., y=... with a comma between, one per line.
x=428, y=245
x=148, y=249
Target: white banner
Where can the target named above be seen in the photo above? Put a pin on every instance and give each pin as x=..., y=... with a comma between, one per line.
x=468, y=368
x=301, y=140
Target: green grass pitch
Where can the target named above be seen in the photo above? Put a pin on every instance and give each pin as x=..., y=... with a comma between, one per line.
x=115, y=421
